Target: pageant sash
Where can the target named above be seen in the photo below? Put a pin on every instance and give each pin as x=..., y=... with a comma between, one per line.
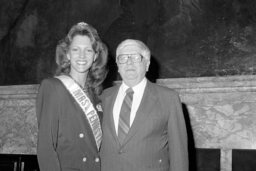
x=86, y=105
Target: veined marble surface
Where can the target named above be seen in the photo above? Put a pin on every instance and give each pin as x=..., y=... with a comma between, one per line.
x=222, y=112
x=18, y=124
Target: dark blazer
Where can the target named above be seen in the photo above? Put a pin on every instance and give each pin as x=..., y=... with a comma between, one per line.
x=157, y=139
x=65, y=139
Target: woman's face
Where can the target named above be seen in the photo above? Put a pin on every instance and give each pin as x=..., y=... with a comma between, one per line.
x=81, y=54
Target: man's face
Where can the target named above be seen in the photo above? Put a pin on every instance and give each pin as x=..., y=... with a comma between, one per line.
x=131, y=72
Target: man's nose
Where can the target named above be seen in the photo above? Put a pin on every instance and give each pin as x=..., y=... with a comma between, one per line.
x=129, y=61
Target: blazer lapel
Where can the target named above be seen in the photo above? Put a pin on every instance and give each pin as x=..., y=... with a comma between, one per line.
x=144, y=111
x=81, y=118
x=88, y=131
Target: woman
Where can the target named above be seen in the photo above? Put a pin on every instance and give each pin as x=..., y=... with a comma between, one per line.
x=68, y=109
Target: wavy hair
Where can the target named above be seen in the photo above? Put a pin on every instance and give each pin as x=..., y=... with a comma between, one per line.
x=98, y=71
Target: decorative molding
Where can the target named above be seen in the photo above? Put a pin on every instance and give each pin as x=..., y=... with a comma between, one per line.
x=18, y=91
x=211, y=84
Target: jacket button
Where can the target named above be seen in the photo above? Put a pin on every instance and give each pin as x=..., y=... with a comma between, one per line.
x=84, y=159
x=81, y=135
x=97, y=159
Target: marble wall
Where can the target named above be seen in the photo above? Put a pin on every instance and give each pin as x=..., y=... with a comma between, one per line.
x=221, y=110
x=18, y=124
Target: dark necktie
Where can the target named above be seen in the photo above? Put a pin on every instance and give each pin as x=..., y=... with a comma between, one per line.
x=124, y=117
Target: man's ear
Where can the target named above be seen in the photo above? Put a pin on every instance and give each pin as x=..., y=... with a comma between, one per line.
x=147, y=66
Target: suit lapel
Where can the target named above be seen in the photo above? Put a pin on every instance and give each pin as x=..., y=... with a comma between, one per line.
x=144, y=111
x=108, y=110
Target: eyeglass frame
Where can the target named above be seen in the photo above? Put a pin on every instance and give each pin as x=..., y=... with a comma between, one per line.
x=129, y=56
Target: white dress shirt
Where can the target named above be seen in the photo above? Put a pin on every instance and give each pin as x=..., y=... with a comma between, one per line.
x=137, y=97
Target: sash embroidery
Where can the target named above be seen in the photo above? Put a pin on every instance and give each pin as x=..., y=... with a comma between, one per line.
x=86, y=105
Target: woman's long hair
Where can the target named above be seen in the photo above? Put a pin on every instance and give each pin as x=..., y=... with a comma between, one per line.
x=98, y=71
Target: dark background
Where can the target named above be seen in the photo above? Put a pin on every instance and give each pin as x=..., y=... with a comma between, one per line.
x=188, y=38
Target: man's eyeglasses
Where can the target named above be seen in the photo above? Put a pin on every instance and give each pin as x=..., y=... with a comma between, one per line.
x=135, y=58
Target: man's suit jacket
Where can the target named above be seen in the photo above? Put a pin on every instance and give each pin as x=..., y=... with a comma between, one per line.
x=157, y=139
x=65, y=139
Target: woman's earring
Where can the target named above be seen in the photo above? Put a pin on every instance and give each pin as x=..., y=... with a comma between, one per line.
x=95, y=58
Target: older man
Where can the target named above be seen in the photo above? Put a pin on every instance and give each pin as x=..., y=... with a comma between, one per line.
x=143, y=123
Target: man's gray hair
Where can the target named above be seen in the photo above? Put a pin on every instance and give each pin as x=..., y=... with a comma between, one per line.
x=145, y=52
